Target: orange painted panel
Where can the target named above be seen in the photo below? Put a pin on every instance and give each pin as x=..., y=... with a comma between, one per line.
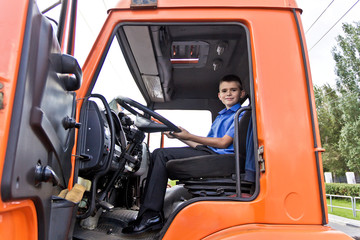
x=17, y=219
x=14, y=15
x=215, y=3
x=268, y=232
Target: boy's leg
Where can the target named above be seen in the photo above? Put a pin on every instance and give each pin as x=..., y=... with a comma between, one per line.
x=157, y=178
x=150, y=214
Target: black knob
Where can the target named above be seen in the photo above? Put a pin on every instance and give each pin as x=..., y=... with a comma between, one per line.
x=69, y=122
x=46, y=174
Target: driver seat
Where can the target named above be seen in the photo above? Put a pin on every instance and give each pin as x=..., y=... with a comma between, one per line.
x=214, y=175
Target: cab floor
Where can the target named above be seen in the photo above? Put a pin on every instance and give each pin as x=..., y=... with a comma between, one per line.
x=109, y=227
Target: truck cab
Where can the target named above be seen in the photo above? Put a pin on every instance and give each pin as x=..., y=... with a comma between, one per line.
x=88, y=132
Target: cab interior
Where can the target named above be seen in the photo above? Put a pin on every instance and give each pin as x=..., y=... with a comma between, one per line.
x=175, y=66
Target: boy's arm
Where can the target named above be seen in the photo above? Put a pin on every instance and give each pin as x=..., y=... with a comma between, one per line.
x=190, y=143
x=223, y=142
x=187, y=142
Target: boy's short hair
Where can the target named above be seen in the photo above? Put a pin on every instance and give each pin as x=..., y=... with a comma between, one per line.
x=231, y=78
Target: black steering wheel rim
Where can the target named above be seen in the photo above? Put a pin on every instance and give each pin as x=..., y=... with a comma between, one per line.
x=129, y=105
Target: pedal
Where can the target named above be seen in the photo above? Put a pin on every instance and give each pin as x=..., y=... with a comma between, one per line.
x=106, y=206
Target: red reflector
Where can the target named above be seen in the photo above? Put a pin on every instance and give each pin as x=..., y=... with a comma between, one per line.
x=184, y=61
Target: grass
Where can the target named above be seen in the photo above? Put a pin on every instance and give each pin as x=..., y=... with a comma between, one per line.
x=348, y=213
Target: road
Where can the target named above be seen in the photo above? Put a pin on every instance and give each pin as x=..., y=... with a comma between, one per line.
x=348, y=226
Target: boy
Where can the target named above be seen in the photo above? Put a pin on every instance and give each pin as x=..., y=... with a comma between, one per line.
x=218, y=141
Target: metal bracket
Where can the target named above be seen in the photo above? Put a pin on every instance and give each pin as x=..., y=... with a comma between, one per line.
x=1, y=96
x=261, y=158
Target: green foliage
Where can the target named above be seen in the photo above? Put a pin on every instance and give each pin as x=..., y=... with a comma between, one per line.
x=349, y=144
x=329, y=114
x=343, y=189
x=339, y=108
x=330, y=124
x=333, y=160
x=346, y=56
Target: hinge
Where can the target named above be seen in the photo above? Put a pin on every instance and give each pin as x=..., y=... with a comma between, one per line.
x=319, y=149
x=261, y=158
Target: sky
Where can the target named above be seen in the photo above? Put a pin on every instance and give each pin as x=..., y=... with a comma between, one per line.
x=320, y=56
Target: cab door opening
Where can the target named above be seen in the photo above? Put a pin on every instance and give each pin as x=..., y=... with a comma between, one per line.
x=170, y=64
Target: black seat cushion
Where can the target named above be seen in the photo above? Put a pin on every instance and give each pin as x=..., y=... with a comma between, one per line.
x=206, y=166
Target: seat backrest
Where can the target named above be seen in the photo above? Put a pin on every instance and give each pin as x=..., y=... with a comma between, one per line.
x=243, y=129
x=213, y=175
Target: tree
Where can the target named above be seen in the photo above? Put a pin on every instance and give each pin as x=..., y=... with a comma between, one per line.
x=339, y=108
x=330, y=125
x=347, y=57
x=349, y=142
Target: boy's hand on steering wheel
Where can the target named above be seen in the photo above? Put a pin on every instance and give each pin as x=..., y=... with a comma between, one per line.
x=184, y=134
x=169, y=135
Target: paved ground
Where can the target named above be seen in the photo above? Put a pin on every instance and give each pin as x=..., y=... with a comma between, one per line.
x=349, y=226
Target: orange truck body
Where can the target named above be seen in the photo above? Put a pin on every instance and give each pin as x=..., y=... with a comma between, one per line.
x=290, y=203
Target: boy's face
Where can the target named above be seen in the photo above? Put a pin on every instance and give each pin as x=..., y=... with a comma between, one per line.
x=230, y=93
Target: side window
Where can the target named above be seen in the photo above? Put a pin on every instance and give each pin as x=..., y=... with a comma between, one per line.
x=197, y=122
x=50, y=8
x=115, y=78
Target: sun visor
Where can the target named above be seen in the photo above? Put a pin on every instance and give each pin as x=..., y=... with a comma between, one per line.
x=142, y=49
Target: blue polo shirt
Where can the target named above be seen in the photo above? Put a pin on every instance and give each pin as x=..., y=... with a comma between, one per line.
x=224, y=125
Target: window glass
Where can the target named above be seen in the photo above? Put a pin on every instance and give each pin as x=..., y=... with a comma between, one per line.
x=51, y=9
x=45, y=5
x=115, y=78
x=197, y=122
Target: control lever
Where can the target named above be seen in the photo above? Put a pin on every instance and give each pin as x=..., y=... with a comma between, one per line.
x=131, y=162
x=46, y=174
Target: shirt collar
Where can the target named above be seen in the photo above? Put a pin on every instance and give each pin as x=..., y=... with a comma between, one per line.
x=233, y=108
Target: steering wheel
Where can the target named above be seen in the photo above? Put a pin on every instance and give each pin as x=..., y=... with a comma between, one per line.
x=143, y=122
